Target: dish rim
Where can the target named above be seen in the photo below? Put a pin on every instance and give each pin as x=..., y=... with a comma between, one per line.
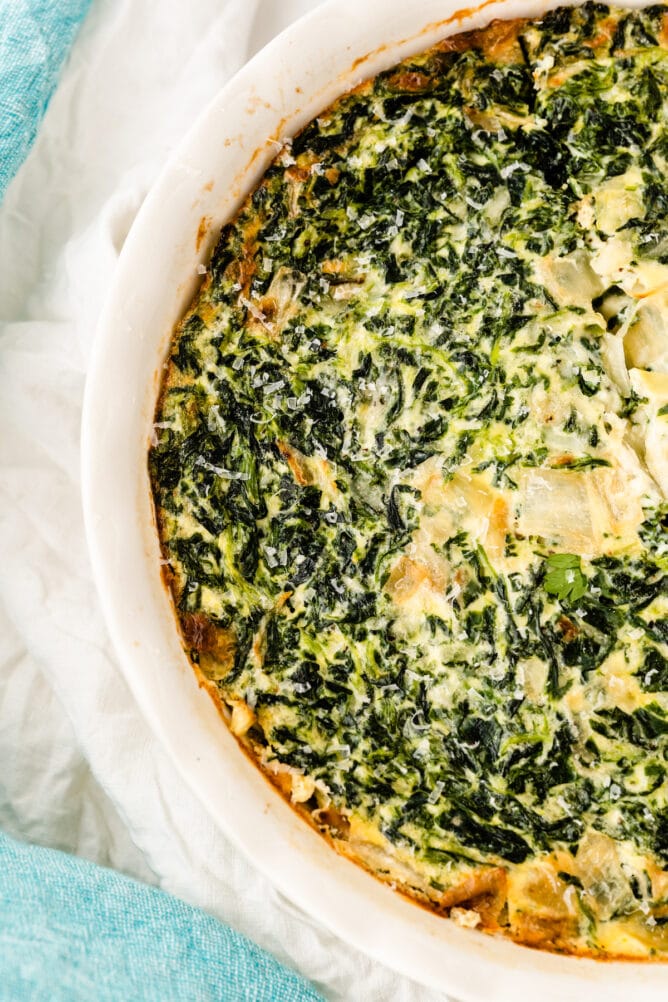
x=120, y=527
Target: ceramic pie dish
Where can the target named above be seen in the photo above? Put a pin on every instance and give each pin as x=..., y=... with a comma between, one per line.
x=199, y=190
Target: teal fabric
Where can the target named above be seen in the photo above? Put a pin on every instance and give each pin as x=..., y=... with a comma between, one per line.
x=71, y=931
x=35, y=37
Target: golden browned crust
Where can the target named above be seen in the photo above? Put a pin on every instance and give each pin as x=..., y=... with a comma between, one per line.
x=211, y=649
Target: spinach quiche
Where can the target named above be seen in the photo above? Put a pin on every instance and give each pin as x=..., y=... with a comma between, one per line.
x=410, y=470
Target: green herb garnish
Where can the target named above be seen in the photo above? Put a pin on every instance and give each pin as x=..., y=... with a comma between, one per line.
x=564, y=578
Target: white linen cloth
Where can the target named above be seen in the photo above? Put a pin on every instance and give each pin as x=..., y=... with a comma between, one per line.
x=79, y=768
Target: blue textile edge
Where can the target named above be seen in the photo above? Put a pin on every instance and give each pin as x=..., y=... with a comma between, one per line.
x=35, y=38
x=72, y=930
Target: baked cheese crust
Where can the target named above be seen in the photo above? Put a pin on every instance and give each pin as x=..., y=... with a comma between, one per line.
x=410, y=470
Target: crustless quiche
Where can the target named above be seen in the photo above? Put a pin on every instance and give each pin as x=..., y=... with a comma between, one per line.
x=410, y=470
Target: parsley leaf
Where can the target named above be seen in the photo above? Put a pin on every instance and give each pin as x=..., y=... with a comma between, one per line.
x=564, y=577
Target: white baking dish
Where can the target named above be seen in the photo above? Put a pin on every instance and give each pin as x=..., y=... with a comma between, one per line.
x=220, y=159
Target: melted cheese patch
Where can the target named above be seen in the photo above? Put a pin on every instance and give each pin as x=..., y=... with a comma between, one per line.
x=410, y=465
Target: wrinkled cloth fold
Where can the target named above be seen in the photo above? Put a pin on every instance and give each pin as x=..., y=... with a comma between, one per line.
x=35, y=38
x=71, y=931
